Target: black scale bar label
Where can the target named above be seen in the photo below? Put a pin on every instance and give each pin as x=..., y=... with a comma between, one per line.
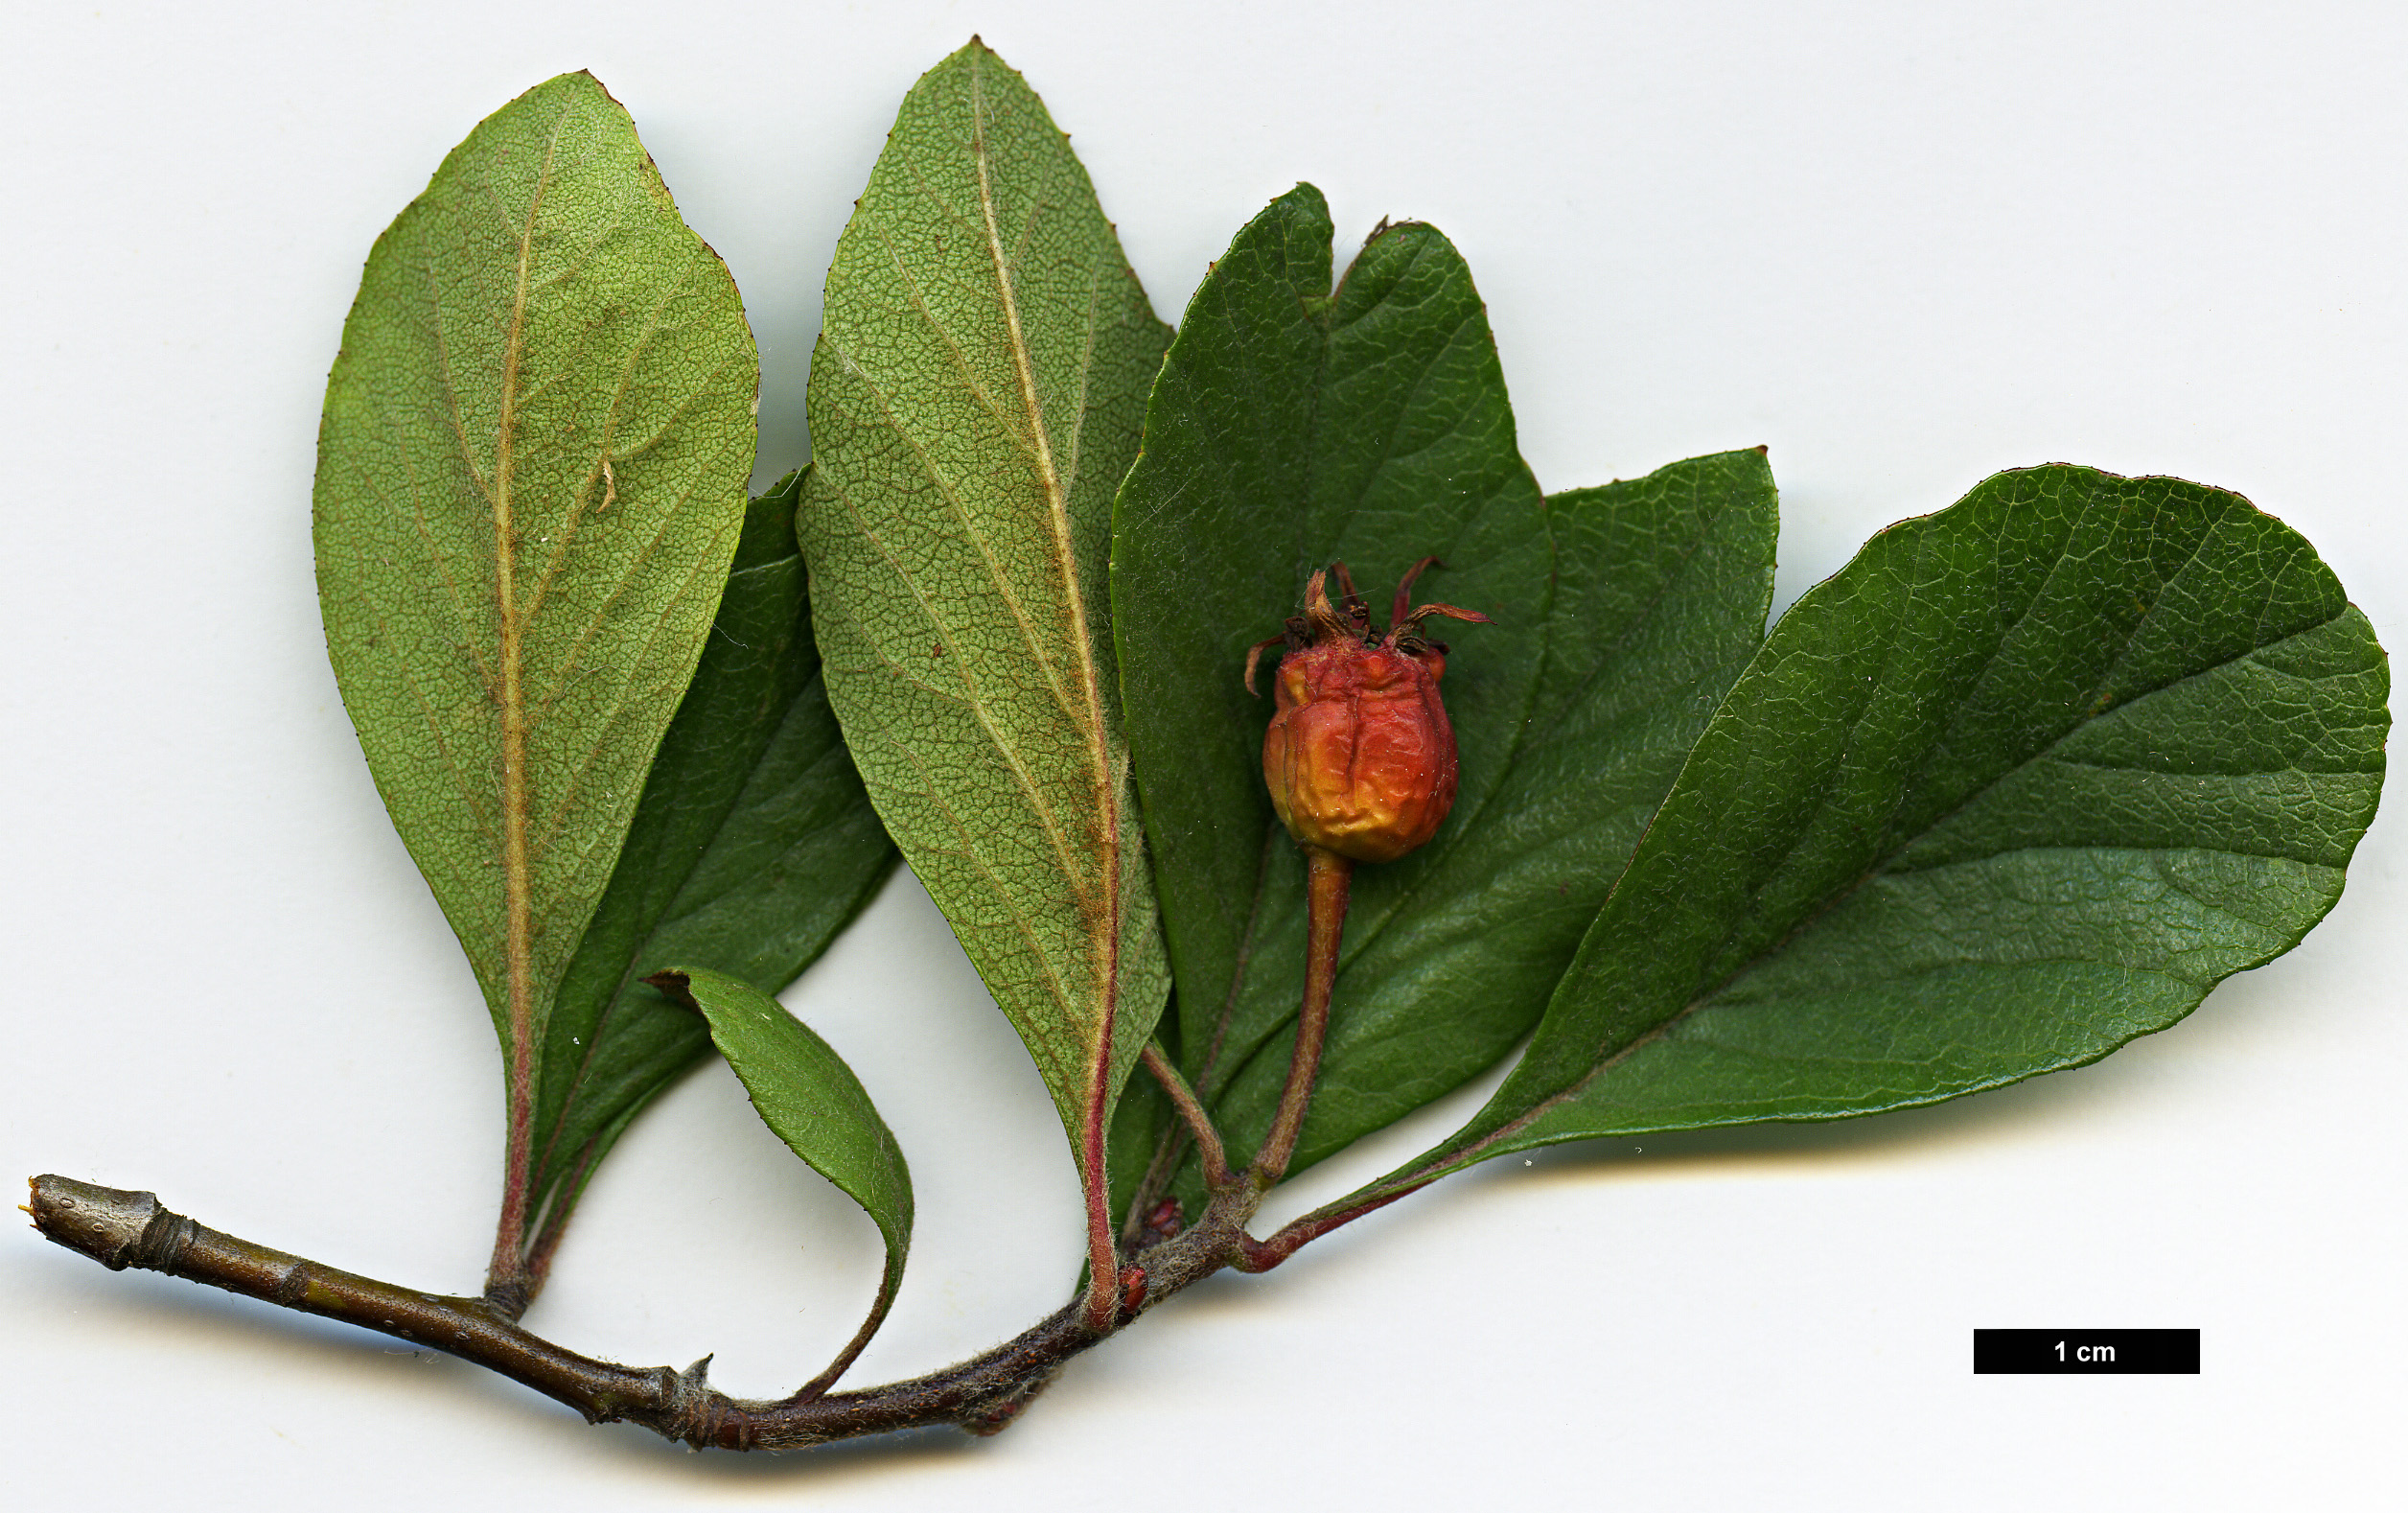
x=2086, y=1352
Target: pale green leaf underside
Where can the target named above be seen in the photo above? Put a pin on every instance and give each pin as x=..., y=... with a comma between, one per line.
x=976, y=396
x=2023, y=782
x=530, y=481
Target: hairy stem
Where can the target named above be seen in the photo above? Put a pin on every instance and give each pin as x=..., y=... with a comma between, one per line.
x=1190, y=1111
x=1261, y=1255
x=1327, y=877
x=509, y=1285
x=549, y=1233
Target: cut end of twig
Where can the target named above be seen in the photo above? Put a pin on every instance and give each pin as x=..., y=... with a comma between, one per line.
x=104, y=1224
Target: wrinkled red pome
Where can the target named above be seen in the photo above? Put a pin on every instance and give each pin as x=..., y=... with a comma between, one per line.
x=1359, y=759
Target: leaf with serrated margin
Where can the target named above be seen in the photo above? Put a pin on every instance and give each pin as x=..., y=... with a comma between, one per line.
x=1384, y=411
x=2021, y=782
x=530, y=481
x=976, y=396
x=811, y=1099
x=753, y=847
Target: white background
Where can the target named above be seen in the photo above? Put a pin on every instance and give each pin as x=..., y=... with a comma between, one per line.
x=1903, y=244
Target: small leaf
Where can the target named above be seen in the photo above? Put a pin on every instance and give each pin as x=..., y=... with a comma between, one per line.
x=753, y=847
x=2020, y=784
x=1290, y=427
x=975, y=398
x=811, y=1099
x=530, y=481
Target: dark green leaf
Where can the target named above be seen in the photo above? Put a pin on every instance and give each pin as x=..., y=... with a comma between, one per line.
x=976, y=397
x=1290, y=427
x=811, y=1099
x=754, y=846
x=2023, y=782
x=530, y=481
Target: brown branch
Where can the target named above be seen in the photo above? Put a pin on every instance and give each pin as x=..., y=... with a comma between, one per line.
x=123, y=1230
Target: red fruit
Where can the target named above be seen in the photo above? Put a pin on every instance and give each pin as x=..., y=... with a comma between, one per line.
x=1359, y=759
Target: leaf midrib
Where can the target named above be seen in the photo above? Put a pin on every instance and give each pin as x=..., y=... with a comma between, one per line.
x=952, y=496
x=518, y=902
x=1105, y=930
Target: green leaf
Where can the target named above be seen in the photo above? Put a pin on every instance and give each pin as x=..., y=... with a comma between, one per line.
x=530, y=481
x=811, y=1099
x=975, y=398
x=2022, y=782
x=1288, y=428
x=754, y=846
